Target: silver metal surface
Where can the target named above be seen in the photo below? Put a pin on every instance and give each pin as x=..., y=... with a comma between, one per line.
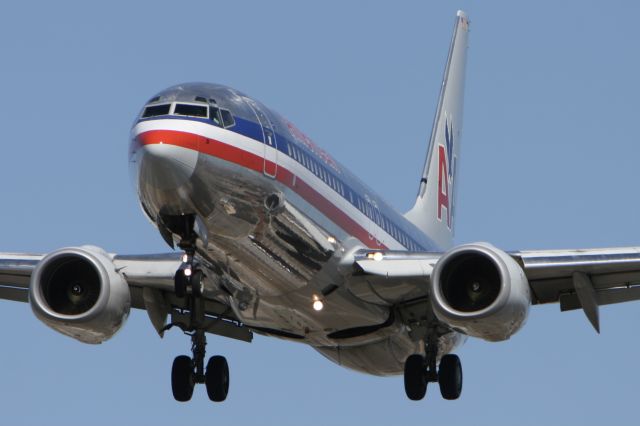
x=613, y=272
x=587, y=296
x=100, y=321
x=504, y=316
x=266, y=265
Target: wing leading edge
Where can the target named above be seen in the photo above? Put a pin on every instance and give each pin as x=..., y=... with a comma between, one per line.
x=576, y=279
x=15, y=273
x=150, y=281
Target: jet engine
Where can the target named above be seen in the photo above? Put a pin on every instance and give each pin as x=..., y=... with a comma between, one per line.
x=78, y=292
x=480, y=291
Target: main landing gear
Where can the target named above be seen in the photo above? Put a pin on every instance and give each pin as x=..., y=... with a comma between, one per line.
x=187, y=371
x=419, y=370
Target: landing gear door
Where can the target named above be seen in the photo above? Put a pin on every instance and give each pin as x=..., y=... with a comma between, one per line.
x=270, y=152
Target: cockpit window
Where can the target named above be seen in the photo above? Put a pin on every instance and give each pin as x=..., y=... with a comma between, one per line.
x=220, y=117
x=154, y=110
x=227, y=118
x=191, y=110
x=215, y=115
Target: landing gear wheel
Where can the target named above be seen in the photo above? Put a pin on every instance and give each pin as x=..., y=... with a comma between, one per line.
x=197, y=285
x=415, y=382
x=217, y=378
x=450, y=377
x=182, y=382
x=182, y=282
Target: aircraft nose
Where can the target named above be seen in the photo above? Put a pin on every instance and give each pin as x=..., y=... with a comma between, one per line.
x=167, y=160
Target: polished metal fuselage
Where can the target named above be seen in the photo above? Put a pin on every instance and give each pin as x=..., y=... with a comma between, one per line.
x=268, y=251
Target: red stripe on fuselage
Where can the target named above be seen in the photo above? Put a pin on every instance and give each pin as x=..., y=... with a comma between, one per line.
x=254, y=162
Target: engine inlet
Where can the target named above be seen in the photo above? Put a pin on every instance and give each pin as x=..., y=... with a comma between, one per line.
x=470, y=282
x=70, y=285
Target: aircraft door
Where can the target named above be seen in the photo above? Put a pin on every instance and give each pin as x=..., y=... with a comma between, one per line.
x=270, y=151
x=373, y=213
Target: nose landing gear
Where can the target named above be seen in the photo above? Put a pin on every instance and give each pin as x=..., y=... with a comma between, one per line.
x=187, y=371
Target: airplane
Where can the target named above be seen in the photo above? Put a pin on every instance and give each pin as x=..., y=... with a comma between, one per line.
x=277, y=238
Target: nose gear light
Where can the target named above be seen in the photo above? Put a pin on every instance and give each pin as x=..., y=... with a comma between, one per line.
x=318, y=304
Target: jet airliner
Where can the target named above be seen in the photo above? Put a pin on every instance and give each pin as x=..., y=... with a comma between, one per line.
x=271, y=235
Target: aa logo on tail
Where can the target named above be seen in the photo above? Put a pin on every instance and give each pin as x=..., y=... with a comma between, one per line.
x=446, y=173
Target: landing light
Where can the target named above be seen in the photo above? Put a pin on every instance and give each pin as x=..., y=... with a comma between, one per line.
x=185, y=258
x=318, y=305
x=187, y=272
x=331, y=240
x=377, y=256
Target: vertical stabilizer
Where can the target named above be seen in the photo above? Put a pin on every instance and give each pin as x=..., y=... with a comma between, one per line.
x=434, y=209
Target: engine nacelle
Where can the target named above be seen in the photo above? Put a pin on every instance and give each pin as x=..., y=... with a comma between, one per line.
x=480, y=291
x=78, y=292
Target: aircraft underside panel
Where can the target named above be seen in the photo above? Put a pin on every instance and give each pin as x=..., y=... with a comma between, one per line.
x=385, y=357
x=268, y=260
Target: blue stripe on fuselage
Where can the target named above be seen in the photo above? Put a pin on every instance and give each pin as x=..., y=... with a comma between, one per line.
x=386, y=218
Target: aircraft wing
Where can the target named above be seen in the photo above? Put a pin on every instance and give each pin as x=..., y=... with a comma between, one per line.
x=15, y=273
x=151, y=284
x=614, y=274
x=576, y=279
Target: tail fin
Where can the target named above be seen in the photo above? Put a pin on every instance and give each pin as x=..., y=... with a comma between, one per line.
x=433, y=212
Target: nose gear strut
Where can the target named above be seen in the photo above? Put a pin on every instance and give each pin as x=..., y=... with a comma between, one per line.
x=187, y=371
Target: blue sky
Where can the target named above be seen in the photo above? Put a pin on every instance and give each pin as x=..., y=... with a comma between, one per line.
x=549, y=159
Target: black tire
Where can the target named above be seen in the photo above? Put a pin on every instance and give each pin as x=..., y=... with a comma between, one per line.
x=415, y=382
x=450, y=377
x=182, y=382
x=197, y=284
x=180, y=283
x=217, y=378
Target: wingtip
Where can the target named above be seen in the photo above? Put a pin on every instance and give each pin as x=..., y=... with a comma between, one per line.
x=463, y=18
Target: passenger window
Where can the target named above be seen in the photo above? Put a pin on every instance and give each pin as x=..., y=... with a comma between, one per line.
x=227, y=118
x=191, y=110
x=155, y=110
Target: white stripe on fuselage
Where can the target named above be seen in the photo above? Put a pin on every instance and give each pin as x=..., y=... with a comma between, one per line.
x=257, y=148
